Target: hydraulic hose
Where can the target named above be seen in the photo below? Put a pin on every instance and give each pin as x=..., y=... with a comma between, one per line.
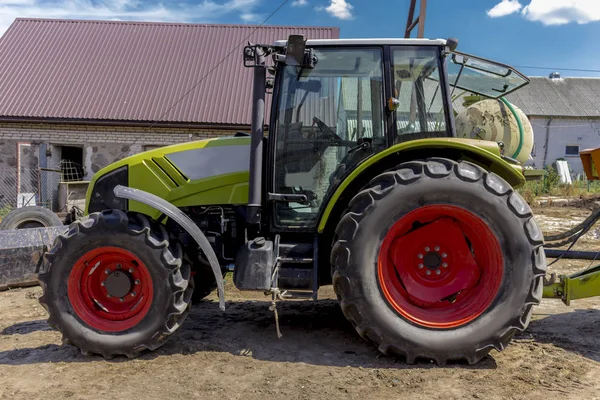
x=589, y=220
x=519, y=124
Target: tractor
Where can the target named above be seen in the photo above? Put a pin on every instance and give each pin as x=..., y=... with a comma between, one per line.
x=360, y=182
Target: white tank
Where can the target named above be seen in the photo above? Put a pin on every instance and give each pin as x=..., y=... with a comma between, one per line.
x=493, y=120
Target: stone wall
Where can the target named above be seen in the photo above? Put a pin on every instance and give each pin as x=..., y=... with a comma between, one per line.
x=102, y=145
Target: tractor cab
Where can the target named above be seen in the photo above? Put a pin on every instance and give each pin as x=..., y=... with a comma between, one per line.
x=338, y=102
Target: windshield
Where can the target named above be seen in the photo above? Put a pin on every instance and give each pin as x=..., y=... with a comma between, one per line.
x=484, y=77
x=416, y=77
x=329, y=119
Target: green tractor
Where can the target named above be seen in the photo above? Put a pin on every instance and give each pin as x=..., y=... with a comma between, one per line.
x=361, y=183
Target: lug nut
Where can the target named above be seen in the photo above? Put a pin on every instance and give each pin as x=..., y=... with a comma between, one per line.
x=420, y=256
x=444, y=255
x=445, y=265
x=428, y=272
x=107, y=271
x=421, y=266
x=131, y=270
x=103, y=283
x=121, y=299
x=437, y=272
x=108, y=296
x=137, y=281
x=133, y=294
x=427, y=248
x=437, y=248
x=118, y=265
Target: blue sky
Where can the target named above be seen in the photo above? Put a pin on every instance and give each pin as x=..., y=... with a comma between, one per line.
x=540, y=33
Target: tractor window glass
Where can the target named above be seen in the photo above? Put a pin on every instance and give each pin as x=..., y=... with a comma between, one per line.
x=329, y=119
x=420, y=109
x=484, y=77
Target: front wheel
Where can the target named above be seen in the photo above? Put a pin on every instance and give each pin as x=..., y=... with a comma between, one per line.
x=438, y=260
x=115, y=284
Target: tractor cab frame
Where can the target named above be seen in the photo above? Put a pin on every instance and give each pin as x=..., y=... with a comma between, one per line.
x=338, y=102
x=337, y=105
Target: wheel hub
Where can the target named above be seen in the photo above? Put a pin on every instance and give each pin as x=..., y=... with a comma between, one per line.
x=440, y=266
x=110, y=289
x=432, y=260
x=118, y=283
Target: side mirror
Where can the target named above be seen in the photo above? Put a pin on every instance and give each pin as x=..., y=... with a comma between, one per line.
x=297, y=54
x=294, y=51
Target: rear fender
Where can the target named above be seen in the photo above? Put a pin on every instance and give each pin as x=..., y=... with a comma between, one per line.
x=484, y=153
x=184, y=221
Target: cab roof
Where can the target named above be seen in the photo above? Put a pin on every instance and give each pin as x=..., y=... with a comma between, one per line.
x=369, y=41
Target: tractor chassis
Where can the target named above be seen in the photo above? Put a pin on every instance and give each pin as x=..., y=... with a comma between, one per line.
x=22, y=249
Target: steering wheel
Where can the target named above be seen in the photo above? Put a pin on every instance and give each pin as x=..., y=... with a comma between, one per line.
x=327, y=131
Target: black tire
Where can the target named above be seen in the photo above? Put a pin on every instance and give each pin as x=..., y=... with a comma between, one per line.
x=203, y=277
x=411, y=185
x=30, y=217
x=170, y=278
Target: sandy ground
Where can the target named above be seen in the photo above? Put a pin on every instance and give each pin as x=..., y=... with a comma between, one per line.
x=236, y=354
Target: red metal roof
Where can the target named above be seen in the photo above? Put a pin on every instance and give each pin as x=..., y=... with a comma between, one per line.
x=131, y=71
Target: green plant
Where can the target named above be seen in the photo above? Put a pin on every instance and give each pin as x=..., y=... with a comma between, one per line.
x=4, y=210
x=551, y=179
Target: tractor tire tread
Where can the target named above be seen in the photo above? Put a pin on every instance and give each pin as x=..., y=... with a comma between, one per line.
x=408, y=173
x=157, y=238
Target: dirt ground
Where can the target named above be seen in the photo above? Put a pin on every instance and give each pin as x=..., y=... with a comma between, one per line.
x=236, y=354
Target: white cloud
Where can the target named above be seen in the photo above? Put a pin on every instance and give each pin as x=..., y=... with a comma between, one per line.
x=340, y=9
x=251, y=17
x=299, y=3
x=560, y=12
x=130, y=10
x=551, y=12
x=504, y=8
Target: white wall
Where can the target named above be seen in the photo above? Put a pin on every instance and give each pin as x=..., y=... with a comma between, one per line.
x=563, y=132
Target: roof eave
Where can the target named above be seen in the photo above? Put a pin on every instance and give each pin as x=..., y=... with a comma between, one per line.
x=127, y=123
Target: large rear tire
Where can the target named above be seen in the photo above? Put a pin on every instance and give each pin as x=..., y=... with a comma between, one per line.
x=438, y=260
x=115, y=285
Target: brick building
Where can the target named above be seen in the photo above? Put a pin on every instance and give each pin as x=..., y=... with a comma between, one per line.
x=88, y=93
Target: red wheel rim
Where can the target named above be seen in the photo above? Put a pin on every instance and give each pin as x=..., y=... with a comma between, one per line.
x=440, y=266
x=103, y=271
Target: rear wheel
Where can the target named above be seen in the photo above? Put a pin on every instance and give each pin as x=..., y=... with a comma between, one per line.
x=115, y=284
x=438, y=260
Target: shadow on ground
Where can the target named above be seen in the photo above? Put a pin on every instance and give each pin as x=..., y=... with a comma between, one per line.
x=575, y=331
x=313, y=333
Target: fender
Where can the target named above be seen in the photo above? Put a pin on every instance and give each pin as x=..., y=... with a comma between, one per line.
x=185, y=222
x=485, y=153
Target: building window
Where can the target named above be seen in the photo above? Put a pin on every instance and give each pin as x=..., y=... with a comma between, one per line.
x=71, y=163
x=572, y=150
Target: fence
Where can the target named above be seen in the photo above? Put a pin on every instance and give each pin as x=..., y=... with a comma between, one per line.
x=21, y=187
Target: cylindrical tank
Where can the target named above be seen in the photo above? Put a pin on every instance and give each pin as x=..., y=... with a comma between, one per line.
x=494, y=120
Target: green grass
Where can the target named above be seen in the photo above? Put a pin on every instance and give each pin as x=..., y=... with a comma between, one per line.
x=4, y=210
x=550, y=186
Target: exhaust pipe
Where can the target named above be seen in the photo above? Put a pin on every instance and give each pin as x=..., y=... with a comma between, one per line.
x=257, y=136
